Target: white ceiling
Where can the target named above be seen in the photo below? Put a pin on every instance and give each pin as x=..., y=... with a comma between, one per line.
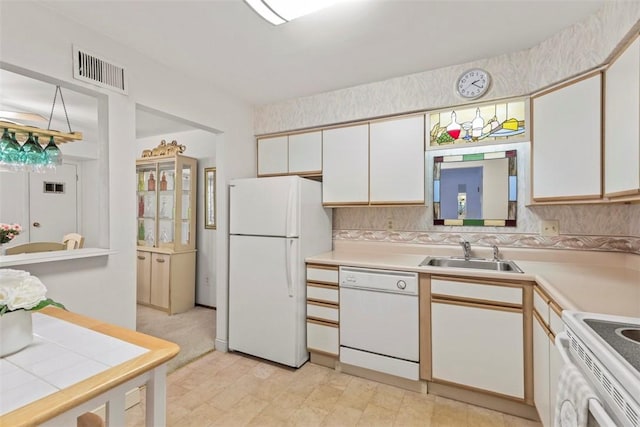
x=225, y=43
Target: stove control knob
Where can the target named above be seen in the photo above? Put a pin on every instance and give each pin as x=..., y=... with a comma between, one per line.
x=401, y=284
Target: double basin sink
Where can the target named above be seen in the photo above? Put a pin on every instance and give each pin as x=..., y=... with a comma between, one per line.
x=475, y=263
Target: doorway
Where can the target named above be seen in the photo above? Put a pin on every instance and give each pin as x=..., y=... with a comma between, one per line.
x=53, y=204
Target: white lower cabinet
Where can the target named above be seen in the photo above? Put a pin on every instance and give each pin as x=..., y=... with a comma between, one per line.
x=323, y=310
x=323, y=337
x=478, y=335
x=547, y=361
x=478, y=347
x=541, y=377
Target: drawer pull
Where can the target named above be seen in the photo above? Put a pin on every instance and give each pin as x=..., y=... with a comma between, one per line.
x=141, y=257
x=160, y=259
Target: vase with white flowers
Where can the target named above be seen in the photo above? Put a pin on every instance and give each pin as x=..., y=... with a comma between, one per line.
x=20, y=294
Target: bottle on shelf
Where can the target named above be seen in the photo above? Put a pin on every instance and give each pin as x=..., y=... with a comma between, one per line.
x=151, y=183
x=141, y=206
x=163, y=182
x=141, y=230
x=140, y=181
x=476, y=125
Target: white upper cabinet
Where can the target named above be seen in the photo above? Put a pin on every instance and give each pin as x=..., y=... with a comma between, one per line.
x=296, y=154
x=566, y=142
x=622, y=124
x=345, y=163
x=272, y=156
x=305, y=153
x=396, y=156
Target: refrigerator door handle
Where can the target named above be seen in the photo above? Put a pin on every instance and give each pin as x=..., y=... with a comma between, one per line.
x=290, y=225
x=289, y=266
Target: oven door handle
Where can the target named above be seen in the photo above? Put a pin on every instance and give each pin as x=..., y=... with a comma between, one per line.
x=595, y=407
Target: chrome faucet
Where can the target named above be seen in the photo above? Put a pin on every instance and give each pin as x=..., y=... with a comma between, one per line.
x=496, y=253
x=466, y=247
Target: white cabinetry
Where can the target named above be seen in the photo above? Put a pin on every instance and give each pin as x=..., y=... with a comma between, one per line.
x=622, y=124
x=377, y=163
x=273, y=156
x=396, y=160
x=305, y=153
x=295, y=154
x=566, y=141
x=323, y=311
x=477, y=333
x=547, y=361
x=345, y=161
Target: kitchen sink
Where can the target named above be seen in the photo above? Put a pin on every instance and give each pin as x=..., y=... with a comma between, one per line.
x=477, y=263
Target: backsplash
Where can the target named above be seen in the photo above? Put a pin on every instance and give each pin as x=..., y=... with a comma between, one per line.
x=583, y=227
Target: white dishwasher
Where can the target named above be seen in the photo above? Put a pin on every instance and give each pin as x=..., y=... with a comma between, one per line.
x=379, y=321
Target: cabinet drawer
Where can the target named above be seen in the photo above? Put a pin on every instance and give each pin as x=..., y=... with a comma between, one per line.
x=541, y=304
x=323, y=312
x=555, y=322
x=324, y=275
x=323, y=293
x=323, y=337
x=502, y=294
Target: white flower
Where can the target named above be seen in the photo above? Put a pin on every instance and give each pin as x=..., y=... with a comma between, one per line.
x=18, y=289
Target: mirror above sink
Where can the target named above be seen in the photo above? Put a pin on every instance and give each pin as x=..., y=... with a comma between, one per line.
x=475, y=189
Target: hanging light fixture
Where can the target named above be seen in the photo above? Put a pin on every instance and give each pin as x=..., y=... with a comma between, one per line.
x=31, y=156
x=280, y=11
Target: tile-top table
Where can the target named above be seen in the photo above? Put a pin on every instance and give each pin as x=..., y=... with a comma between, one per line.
x=76, y=364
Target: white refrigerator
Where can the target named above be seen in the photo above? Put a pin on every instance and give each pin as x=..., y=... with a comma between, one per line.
x=274, y=224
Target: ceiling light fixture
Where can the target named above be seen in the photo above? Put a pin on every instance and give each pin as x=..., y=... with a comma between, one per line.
x=280, y=11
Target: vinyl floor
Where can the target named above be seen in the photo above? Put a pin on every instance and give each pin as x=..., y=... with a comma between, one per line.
x=230, y=389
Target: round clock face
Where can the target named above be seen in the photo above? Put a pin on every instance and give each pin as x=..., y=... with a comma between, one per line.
x=473, y=83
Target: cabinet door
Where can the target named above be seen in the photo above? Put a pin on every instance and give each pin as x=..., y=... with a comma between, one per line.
x=143, y=281
x=160, y=279
x=272, y=156
x=555, y=366
x=396, y=157
x=566, y=146
x=478, y=347
x=345, y=162
x=305, y=153
x=541, y=373
x=622, y=124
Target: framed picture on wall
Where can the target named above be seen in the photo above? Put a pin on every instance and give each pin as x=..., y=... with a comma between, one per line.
x=210, y=198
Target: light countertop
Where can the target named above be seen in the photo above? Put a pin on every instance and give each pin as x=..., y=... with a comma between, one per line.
x=590, y=281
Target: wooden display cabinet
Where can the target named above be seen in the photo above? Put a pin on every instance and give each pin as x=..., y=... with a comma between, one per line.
x=166, y=234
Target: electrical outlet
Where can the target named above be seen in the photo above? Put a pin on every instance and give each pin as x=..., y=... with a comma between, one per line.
x=549, y=227
x=389, y=223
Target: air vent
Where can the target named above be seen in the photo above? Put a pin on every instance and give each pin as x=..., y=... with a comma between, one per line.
x=89, y=67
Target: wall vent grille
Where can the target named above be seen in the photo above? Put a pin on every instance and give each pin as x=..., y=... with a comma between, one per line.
x=90, y=68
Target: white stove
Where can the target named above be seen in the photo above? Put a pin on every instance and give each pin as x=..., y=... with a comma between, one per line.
x=607, y=350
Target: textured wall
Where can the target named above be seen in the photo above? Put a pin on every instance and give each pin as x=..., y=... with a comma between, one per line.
x=576, y=49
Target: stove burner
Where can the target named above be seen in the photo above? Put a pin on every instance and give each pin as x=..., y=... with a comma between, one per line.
x=632, y=334
x=624, y=345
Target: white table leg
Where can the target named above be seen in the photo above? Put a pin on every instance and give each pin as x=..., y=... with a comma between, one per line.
x=156, y=398
x=115, y=410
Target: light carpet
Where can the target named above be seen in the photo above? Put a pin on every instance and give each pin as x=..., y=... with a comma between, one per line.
x=194, y=331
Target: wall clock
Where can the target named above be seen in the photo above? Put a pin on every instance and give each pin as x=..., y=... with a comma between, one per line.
x=473, y=83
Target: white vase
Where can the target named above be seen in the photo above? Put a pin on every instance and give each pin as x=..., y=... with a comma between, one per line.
x=16, y=331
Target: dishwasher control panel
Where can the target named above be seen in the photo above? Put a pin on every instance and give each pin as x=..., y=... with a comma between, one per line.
x=379, y=280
